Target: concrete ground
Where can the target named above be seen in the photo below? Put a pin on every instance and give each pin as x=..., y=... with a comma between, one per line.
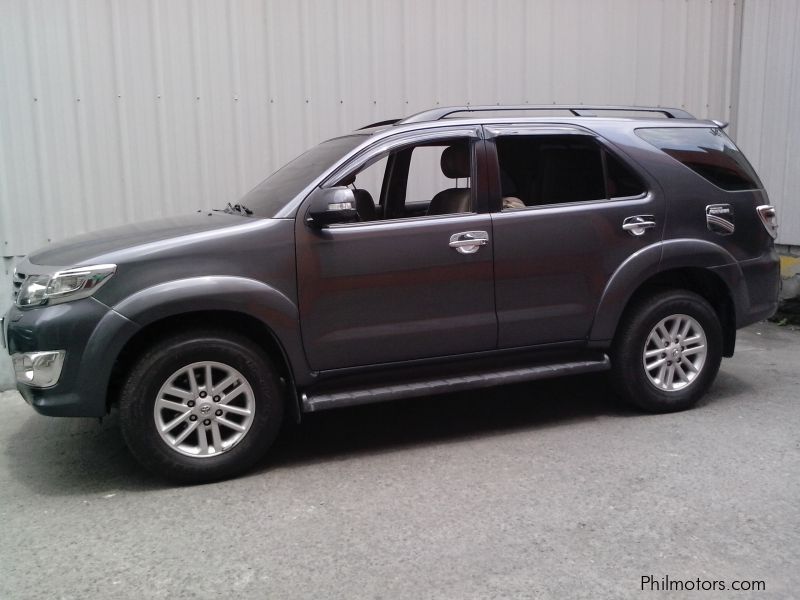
x=546, y=490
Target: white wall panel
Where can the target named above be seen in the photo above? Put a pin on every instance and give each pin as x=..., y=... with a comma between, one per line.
x=768, y=128
x=116, y=110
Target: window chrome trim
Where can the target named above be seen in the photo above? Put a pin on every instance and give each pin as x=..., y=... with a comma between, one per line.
x=396, y=142
x=401, y=220
x=645, y=196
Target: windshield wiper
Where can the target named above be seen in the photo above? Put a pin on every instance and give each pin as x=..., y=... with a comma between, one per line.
x=235, y=209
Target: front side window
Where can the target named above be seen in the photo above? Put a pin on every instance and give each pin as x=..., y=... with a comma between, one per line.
x=708, y=152
x=540, y=170
x=417, y=180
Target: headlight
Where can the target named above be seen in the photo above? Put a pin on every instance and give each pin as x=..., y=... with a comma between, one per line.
x=63, y=286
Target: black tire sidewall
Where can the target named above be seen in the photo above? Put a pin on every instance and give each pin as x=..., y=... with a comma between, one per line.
x=157, y=365
x=628, y=372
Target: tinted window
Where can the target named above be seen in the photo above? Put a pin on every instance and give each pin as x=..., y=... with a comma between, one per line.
x=621, y=181
x=269, y=196
x=553, y=169
x=706, y=151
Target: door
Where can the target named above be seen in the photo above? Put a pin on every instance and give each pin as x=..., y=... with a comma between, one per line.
x=394, y=287
x=569, y=211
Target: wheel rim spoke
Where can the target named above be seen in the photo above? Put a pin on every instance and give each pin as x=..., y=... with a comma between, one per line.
x=188, y=420
x=202, y=440
x=674, y=352
x=185, y=434
x=208, y=381
x=179, y=393
x=192, y=381
x=229, y=424
x=676, y=325
x=223, y=385
x=235, y=410
x=216, y=438
x=681, y=373
x=170, y=405
x=175, y=422
x=232, y=395
x=694, y=350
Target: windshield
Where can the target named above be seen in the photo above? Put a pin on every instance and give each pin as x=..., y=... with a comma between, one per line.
x=272, y=194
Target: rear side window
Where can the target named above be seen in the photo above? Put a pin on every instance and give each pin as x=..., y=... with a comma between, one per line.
x=706, y=151
x=540, y=170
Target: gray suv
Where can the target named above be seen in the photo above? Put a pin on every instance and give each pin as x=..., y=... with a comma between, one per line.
x=458, y=248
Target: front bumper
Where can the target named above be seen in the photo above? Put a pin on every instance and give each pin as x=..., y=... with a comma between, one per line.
x=91, y=336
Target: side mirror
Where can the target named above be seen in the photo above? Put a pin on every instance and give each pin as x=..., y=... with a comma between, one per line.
x=332, y=205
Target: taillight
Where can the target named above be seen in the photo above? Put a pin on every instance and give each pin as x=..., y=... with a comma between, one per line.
x=769, y=218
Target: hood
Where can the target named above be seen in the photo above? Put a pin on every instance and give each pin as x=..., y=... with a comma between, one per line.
x=86, y=248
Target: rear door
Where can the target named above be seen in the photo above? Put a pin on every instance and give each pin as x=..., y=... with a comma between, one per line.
x=575, y=210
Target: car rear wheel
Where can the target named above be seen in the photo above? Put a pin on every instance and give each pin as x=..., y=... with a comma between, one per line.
x=201, y=406
x=667, y=351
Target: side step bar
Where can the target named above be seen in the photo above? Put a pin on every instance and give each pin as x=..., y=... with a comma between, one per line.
x=429, y=387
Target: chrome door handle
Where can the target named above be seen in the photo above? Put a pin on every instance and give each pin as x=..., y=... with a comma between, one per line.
x=469, y=242
x=639, y=224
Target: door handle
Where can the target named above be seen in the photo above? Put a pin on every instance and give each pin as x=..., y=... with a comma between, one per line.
x=469, y=242
x=639, y=224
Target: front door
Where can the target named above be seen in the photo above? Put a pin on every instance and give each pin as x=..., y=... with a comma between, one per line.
x=394, y=287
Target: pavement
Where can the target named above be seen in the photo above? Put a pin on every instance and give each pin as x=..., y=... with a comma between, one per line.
x=545, y=490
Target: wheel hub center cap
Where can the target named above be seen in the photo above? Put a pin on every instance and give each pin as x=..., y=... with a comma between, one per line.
x=205, y=409
x=676, y=353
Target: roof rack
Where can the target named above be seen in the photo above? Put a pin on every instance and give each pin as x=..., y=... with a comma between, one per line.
x=579, y=110
x=379, y=124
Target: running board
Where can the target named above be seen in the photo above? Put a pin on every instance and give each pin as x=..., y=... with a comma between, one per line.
x=429, y=387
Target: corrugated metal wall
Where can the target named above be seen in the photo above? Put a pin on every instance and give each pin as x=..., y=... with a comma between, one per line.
x=768, y=128
x=113, y=110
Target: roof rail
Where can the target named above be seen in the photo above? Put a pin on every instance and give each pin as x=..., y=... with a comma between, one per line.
x=579, y=110
x=379, y=124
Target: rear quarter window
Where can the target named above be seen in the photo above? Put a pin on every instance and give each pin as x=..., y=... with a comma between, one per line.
x=708, y=152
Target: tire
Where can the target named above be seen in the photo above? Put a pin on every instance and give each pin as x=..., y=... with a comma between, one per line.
x=239, y=417
x=641, y=359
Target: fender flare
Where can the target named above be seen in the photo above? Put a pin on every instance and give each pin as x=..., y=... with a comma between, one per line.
x=658, y=258
x=270, y=306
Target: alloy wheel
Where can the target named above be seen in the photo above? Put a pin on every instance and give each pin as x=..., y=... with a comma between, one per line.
x=675, y=352
x=204, y=409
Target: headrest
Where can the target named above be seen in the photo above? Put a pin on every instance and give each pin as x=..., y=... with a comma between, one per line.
x=455, y=161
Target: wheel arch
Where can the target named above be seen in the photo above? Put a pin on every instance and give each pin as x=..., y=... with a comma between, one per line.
x=695, y=265
x=240, y=323
x=255, y=309
x=704, y=282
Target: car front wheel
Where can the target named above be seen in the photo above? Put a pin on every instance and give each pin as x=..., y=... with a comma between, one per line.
x=201, y=406
x=667, y=351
